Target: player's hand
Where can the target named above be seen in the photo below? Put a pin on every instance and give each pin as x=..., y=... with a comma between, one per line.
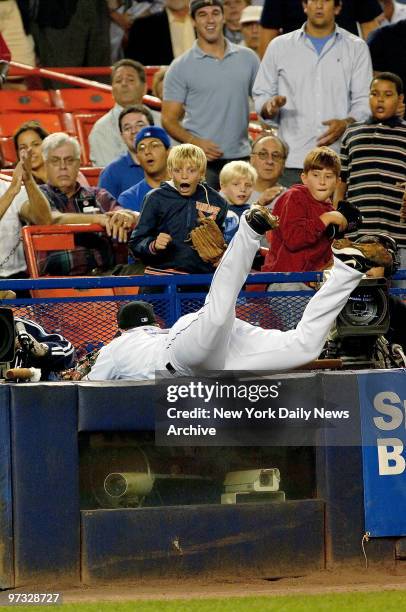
x=336, y=128
x=118, y=224
x=334, y=218
x=269, y=195
x=211, y=149
x=162, y=241
x=273, y=105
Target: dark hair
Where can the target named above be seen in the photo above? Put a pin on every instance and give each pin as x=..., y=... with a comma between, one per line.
x=136, y=108
x=33, y=126
x=392, y=77
x=137, y=66
x=284, y=146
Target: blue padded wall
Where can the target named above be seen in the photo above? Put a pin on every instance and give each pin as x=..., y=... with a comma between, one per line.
x=272, y=539
x=6, y=513
x=117, y=406
x=45, y=482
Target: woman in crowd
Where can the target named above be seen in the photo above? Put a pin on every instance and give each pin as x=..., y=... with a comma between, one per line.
x=30, y=136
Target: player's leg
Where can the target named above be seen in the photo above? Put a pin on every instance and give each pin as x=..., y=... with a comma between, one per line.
x=253, y=348
x=256, y=349
x=199, y=341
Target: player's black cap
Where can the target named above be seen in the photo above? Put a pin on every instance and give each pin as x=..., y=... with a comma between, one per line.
x=135, y=314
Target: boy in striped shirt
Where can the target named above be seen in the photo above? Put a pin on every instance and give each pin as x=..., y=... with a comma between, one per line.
x=373, y=159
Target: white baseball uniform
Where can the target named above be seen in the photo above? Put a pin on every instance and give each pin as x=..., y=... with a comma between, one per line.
x=214, y=339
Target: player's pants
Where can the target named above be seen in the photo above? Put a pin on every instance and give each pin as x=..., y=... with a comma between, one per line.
x=213, y=339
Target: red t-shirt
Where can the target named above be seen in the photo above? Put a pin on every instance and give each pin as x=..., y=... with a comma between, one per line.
x=300, y=243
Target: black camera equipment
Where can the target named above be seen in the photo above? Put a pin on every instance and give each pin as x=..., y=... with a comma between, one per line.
x=358, y=337
x=363, y=320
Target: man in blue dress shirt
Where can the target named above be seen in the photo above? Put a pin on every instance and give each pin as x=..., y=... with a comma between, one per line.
x=312, y=83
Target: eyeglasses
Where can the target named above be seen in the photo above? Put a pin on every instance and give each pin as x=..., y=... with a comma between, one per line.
x=134, y=128
x=264, y=155
x=152, y=146
x=63, y=161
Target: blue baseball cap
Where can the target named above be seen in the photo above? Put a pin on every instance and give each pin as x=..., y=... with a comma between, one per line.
x=153, y=131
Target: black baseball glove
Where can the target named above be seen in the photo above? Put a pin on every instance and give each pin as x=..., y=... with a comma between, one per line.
x=352, y=213
x=353, y=216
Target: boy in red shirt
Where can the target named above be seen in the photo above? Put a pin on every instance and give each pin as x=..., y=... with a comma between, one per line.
x=302, y=242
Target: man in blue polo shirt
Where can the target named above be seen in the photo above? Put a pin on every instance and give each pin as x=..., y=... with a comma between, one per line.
x=125, y=171
x=207, y=90
x=152, y=148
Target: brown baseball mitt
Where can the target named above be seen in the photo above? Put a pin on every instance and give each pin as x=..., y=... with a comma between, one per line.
x=208, y=240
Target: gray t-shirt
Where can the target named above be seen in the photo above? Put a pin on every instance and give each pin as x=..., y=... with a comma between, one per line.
x=215, y=93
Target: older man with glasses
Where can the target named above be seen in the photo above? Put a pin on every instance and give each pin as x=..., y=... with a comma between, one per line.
x=268, y=157
x=73, y=204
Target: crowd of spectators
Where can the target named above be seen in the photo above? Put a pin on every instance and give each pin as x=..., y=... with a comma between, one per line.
x=332, y=130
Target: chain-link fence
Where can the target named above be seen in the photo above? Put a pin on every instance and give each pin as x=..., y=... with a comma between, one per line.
x=90, y=322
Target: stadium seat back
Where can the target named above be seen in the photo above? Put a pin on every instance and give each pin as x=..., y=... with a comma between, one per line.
x=25, y=101
x=84, y=125
x=10, y=122
x=92, y=174
x=82, y=100
x=8, y=155
x=37, y=238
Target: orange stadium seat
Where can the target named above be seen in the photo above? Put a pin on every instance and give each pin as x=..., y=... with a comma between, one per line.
x=68, y=123
x=149, y=73
x=54, y=238
x=82, y=99
x=92, y=174
x=39, y=238
x=8, y=156
x=10, y=122
x=25, y=101
x=84, y=124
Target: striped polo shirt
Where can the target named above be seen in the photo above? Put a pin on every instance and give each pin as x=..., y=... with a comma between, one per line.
x=373, y=157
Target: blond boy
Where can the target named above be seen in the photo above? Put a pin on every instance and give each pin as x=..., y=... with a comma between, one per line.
x=162, y=237
x=237, y=182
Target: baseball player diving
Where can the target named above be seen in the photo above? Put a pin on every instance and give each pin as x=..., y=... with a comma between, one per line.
x=213, y=339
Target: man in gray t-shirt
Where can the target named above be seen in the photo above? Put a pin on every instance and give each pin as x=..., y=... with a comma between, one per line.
x=207, y=89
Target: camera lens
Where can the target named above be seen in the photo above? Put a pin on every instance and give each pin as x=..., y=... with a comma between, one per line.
x=365, y=307
x=115, y=485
